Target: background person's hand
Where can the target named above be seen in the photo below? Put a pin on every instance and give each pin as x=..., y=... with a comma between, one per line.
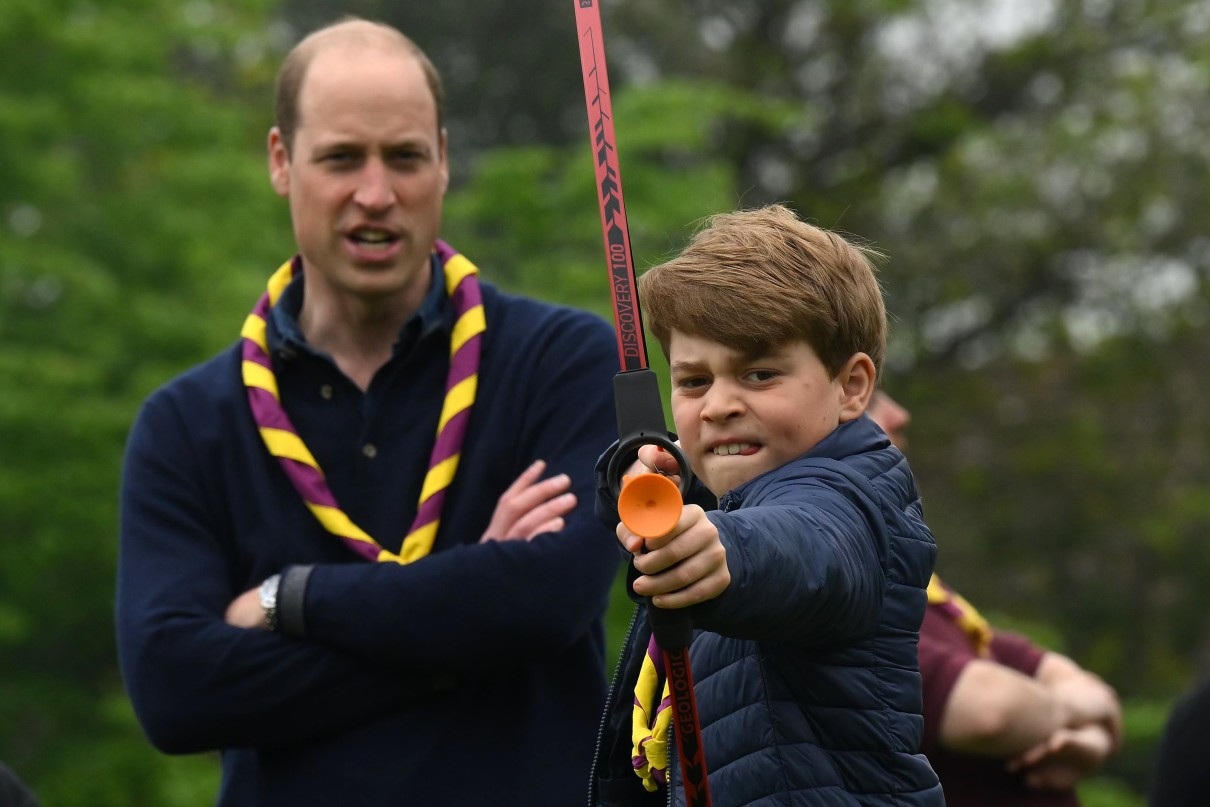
x=1067, y=756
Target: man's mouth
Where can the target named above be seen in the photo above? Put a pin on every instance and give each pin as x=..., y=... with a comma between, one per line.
x=372, y=237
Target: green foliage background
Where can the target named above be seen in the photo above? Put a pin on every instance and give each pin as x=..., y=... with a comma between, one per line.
x=1041, y=198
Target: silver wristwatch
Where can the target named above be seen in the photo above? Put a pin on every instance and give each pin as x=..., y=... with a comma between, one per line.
x=268, y=600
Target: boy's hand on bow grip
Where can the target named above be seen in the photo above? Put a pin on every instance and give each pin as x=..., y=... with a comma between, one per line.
x=654, y=459
x=683, y=567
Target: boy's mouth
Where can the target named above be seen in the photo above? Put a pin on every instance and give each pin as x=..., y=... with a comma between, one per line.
x=727, y=449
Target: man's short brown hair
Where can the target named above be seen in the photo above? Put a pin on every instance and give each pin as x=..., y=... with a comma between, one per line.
x=293, y=70
x=758, y=279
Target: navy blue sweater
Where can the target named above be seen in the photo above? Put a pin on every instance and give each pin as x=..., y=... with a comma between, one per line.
x=472, y=676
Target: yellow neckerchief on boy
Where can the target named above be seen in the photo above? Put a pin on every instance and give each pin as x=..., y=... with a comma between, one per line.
x=283, y=441
x=651, y=721
x=961, y=613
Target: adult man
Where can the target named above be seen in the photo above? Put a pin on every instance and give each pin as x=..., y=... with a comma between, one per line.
x=1006, y=723
x=461, y=669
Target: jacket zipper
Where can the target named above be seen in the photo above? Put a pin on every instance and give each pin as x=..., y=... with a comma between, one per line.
x=609, y=698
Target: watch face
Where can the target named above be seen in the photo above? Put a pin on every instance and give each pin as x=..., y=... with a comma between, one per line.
x=268, y=591
x=268, y=600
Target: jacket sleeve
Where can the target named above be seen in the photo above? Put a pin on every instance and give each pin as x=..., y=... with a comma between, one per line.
x=197, y=683
x=476, y=607
x=806, y=566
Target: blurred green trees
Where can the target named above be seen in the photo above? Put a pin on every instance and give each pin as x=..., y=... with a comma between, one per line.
x=135, y=223
x=1035, y=171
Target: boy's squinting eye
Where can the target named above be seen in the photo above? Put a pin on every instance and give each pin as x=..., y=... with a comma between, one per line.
x=760, y=376
x=689, y=382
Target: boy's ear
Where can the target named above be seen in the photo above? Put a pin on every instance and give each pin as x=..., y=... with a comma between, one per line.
x=857, y=379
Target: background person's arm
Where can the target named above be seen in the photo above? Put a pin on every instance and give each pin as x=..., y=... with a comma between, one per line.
x=996, y=711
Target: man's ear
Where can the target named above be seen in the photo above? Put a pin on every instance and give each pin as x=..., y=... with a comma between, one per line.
x=279, y=163
x=857, y=380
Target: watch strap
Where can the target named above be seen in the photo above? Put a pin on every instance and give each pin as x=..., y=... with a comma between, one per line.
x=292, y=599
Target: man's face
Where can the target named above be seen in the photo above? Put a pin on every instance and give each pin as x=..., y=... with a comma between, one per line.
x=739, y=416
x=366, y=175
x=891, y=418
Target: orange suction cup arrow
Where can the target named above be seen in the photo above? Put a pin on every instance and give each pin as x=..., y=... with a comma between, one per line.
x=649, y=504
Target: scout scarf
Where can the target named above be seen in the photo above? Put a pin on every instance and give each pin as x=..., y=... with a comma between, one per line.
x=651, y=720
x=961, y=613
x=282, y=439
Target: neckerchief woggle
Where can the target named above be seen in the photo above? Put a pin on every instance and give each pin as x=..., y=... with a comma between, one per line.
x=283, y=441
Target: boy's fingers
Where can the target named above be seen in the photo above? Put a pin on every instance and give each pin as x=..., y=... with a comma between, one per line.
x=692, y=533
x=632, y=542
x=703, y=572
x=704, y=589
x=653, y=458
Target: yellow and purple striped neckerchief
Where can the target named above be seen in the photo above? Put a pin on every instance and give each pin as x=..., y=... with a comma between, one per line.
x=284, y=442
x=651, y=720
x=961, y=613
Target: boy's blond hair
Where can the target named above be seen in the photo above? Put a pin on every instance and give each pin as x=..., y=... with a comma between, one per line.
x=758, y=279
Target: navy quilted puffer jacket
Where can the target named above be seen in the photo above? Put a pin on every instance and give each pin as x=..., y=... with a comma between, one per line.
x=806, y=678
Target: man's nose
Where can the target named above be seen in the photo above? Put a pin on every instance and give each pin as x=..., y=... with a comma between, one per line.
x=374, y=191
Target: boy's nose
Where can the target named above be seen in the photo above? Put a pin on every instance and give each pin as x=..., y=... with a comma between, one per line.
x=721, y=403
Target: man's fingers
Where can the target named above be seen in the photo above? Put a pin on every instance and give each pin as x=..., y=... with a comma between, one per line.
x=518, y=502
x=554, y=525
x=528, y=525
x=527, y=478
x=530, y=502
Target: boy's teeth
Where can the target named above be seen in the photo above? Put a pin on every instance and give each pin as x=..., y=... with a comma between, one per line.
x=732, y=448
x=374, y=236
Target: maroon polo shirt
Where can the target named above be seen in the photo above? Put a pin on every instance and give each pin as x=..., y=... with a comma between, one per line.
x=969, y=780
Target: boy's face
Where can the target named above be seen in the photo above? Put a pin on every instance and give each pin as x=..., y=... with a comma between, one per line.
x=739, y=416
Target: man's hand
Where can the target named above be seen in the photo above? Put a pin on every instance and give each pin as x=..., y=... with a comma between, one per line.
x=682, y=568
x=530, y=507
x=245, y=611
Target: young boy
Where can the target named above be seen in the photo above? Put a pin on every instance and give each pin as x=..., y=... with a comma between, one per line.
x=806, y=577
